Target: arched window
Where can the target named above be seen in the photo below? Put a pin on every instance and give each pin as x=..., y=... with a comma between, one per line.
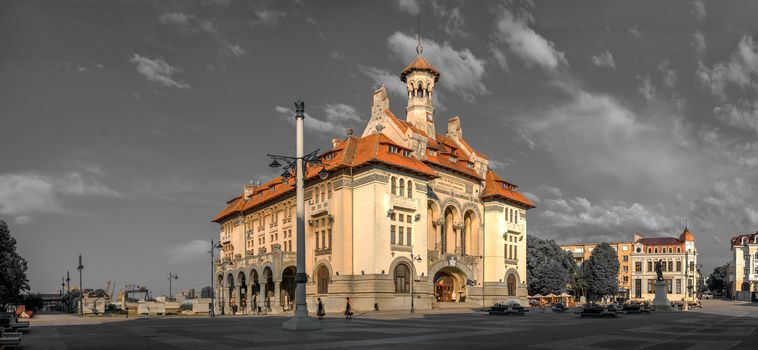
x=410, y=189
x=649, y=250
x=323, y=280
x=402, y=278
x=678, y=249
x=670, y=251
x=329, y=189
x=655, y=250
x=516, y=217
x=512, y=285
x=315, y=194
x=402, y=188
x=393, y=185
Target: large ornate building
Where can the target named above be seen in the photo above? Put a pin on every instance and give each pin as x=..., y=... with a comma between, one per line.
x=405, y=212
x=678, y=256
x=743, y=269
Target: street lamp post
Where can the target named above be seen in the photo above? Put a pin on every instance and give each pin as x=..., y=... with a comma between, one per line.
x=81, y=286
x=414, y=259
x=171, y=277
x=301, y=320
x=214, y=246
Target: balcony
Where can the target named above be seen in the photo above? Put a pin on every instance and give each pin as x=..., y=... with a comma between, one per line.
x=403, y=202
x=511, y=227
x=323, y=251
x=226, y=238
x=320, y=208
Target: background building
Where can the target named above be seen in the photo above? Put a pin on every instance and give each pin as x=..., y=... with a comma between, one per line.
x=743, y=271
x=582, y=252
x=679, y=258
x=405, y=212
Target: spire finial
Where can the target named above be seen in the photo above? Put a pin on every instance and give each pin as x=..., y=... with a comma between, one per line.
x=419, y=48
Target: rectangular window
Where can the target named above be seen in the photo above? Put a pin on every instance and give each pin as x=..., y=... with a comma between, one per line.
x=638, y=288
x=649, y=266
x=668, y=286
x=626, y=268
x=408, y=235
x=649, y=286
x=408, y=218
x=400, y=234
x=637, y=266
x=678, y=266
x=400, y=217
x=392, y=234
x=329, y=233
x=625, y=258
x=671, y=266
x=625, y=248
x=678, y=286
x=626, y=279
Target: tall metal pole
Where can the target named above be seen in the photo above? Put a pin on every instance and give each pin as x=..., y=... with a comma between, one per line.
x=213, y=290
x=81, y=286
x=68, y=282
x=300, y=321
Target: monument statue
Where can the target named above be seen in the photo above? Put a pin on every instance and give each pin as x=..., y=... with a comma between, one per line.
x=659, y=270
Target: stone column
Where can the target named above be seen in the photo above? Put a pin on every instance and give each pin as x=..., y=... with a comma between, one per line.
x=438, y=241
x=276, y=300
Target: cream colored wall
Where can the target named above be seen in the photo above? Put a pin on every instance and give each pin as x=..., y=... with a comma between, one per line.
x=739, y=263
x=494, y=227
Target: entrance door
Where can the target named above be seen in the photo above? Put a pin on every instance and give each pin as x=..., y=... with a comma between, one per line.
x=443, y=289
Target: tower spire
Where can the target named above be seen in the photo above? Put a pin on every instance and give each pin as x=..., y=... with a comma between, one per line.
x=419, y=48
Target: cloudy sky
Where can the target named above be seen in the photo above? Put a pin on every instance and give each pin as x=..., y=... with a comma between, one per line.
x=126, y=124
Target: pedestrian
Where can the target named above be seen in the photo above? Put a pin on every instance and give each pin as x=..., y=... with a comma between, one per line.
x=254, y=303
x=348, y=309
x=320, y=310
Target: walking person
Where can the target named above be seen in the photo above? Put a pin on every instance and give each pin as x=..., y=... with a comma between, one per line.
x=348, y=309
x=320, y=310
x=254, y=304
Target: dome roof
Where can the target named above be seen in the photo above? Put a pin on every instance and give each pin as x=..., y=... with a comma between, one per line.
x=419, y=63
x=687, y=235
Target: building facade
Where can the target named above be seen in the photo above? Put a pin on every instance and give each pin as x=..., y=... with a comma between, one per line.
x=406, y=212
x=582, y=252
x=743, y=270
x=679, y=264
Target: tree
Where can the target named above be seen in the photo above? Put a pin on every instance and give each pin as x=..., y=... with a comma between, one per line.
x=206, y=292
x=601, y=275
x=13, y=280
x=717, y=280
x=548, y=268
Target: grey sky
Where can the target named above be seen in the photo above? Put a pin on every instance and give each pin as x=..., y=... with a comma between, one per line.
x=126, y=125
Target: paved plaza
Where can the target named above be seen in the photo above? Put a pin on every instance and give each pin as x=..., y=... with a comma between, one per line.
x=720, y=325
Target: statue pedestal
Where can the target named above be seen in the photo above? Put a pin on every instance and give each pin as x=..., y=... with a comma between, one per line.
x=661, y=301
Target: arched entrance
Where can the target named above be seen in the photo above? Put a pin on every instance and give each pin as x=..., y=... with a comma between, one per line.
x=230, y=288
x=448, y=237
x=287, y=286
x=269, y=287
x=450, y=285
x=511, y=283
x=243, y=289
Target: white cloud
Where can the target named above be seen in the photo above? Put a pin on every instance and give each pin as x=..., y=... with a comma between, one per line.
x=698, y=42
x=188, y=251
x=235, y=50
x=25, y=194
x=336, y=55
x=408, y=6
x=267, y=17
x=636, y=31
x=525, y=43
x=498, y=165
x=698, y=10
x=175, y=18
x=461, y=71
x=337, y=118
x=742, y=115
x=499, y=56
x=451, y=18
x=646, y=89
x=739, y=70
x=668, y=75
x=389, y=80
x=605, y=59
x=157, y=71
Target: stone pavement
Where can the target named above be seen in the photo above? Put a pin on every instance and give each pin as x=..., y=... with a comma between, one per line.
x=721, y=325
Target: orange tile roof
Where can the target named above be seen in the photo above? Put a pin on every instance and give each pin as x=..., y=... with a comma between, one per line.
x=659, y=241
x=446, y=147
x=493, y=187
x=751, y=237
x=351, y=152
x=404, y=125
x=419, y=63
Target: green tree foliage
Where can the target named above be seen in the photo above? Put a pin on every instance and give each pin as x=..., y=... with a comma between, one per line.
x=601, y=272
x=717, y=280
x=549, y=269
x=13, y=279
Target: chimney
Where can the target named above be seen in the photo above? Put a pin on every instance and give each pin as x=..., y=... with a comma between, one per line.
x=335, y=142
x=380, y=102
x=454, y=128
x=637, y=237
x=248, y=190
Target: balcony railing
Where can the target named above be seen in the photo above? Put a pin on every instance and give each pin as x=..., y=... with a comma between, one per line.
x=323, y=251
x=403, y=202
x=320, y=208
